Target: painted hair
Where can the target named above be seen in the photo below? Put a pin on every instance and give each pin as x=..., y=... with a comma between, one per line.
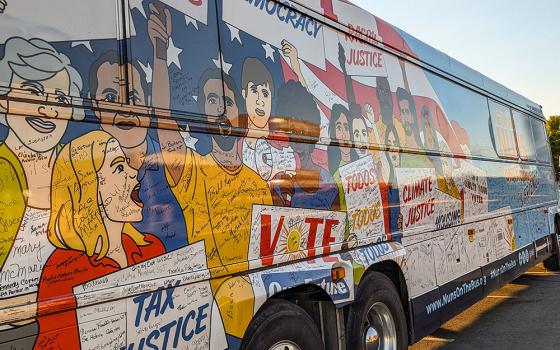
x=296, y=103
x=76, y=222
x=256, y=72
x=391, y=130
x=334, y=155
x=426, y=116
x=217, y=74
x=112, y=57
x=37, y=60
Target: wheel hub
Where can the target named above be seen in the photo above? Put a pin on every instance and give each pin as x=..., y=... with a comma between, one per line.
x=379, y=331
x=285, y=345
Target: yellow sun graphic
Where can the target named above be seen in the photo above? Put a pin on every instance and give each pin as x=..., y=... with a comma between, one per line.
x=292, y=242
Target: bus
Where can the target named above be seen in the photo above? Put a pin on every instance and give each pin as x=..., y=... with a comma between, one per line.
x=253, y=174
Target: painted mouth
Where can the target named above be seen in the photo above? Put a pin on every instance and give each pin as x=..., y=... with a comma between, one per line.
x=126, y=123
x=40, y=125
x=260, y=112
x=135, y=196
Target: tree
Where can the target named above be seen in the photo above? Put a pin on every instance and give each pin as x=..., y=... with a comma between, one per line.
x=553, y=131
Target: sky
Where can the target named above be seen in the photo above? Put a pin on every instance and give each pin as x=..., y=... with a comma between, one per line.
x=515, y=42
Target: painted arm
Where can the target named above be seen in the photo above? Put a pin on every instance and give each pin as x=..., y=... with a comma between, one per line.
x=291, y=52
x=354, y=108
x=172, y=145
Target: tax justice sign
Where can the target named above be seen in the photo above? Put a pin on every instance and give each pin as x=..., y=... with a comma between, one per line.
x=162, y=303
x=417, y=194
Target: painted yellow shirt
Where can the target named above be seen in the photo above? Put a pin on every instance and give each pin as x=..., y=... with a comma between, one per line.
x=217, y=204
x=12, y=200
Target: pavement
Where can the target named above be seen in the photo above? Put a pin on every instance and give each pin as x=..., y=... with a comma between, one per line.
x=524, y=314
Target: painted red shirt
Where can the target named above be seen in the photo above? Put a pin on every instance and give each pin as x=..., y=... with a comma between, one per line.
x=66, y=269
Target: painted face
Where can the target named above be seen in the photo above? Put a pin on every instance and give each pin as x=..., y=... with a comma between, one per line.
x=429, y=137
x=385, y=100
x=40, y=126
x=342, y=130
x=129, y=129
x=220, y=98
x=394, y=157
x=360, y=135
x=406, y=116
x=118, y=186
x=258, y=100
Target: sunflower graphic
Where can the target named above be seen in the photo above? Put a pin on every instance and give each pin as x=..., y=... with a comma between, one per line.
x=293, y=241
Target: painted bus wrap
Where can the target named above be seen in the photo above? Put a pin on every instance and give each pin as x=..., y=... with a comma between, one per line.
x=169, y=167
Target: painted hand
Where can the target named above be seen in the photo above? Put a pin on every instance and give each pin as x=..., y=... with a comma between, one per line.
x=290, y=51
x=3, y=4
x=159, y=28
x=342, y=57
x=370, y=115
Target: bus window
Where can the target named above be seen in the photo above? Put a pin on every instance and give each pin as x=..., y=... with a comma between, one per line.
x=502, y=128
x=173, y=49
x=541, y=142
x=469, y=110
x=524, y=136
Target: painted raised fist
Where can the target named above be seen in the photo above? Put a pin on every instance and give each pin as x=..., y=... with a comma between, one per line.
x=159, y=28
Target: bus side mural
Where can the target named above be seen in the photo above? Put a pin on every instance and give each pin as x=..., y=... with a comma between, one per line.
x=139, y=173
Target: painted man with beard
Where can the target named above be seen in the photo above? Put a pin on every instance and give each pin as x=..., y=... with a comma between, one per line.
x=161, y=212
x=407, y=109
x=385, y=98
x=208, y=187
x=217, y=193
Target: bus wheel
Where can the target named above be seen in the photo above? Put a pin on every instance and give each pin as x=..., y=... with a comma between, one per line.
x=376, y=319
x=282, y=325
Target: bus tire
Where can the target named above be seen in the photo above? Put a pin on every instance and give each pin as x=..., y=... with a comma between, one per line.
x=282, y=325
x=385, y=328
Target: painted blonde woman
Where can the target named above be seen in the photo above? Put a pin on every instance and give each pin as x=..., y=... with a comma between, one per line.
x=94, y=200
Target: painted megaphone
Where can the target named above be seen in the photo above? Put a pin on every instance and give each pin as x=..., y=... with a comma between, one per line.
x=271, y=161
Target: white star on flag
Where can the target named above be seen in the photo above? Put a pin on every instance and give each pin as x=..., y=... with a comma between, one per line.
x=173, y=53
x=190, y=141
x=269, y=51
x=189, y=20
x=234, y=33
x=147, y=70
x=137, y=4
x=225, y=66
x=85, y=44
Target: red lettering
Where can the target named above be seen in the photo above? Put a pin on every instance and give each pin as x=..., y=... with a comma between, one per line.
x=313, y=225
x=267, y=248
x=327, y=235
x=421, y=211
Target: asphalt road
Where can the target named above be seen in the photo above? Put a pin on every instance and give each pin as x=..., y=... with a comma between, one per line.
x=524, y=314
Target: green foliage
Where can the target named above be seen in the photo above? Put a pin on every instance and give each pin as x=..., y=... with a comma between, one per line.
x=553, y=130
